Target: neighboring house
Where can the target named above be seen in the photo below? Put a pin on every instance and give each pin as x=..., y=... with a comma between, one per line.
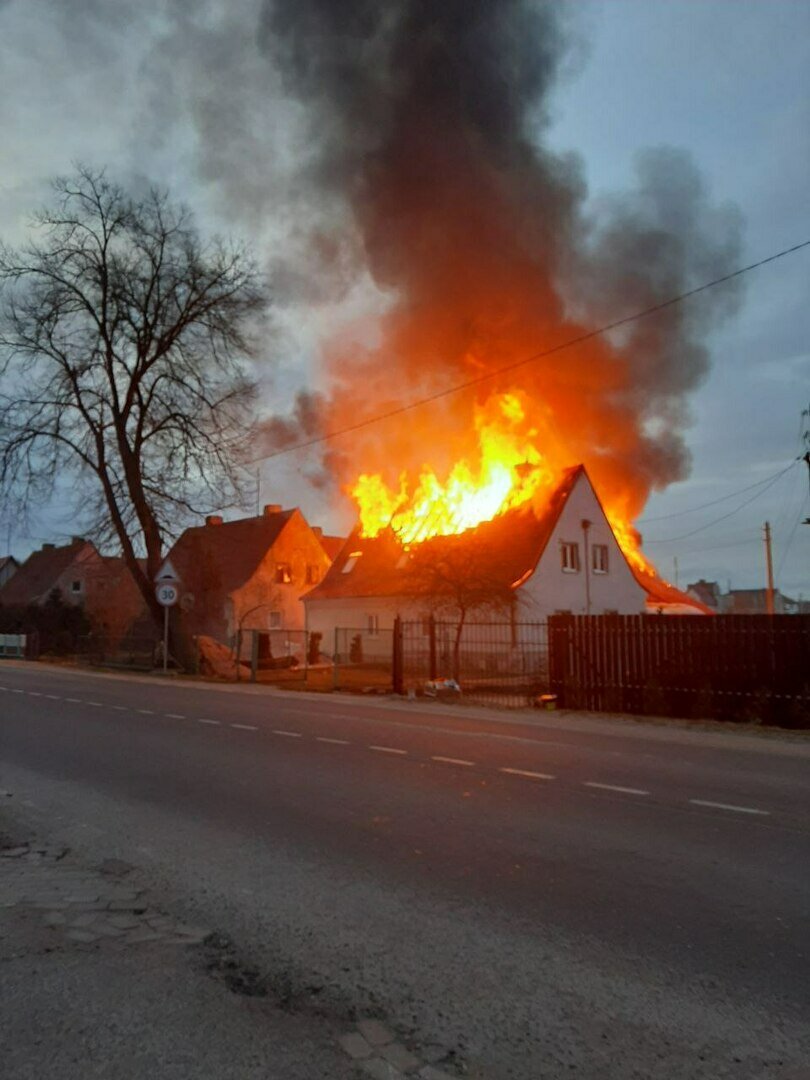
x=567, y=560
x=250, y=573
x=8, y=567
x=83, y=577
x=707, y=592
x=755, y=602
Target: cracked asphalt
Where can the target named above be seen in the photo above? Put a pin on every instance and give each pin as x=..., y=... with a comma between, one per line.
x=510, y=899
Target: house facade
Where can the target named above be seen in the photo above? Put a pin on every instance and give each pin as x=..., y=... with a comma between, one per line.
x=249, y=574
x=102, y=586
x=567, y=560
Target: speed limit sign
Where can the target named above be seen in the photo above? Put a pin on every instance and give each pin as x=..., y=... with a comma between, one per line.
x=167, y=594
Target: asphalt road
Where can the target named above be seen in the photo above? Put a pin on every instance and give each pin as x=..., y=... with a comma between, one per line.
x=544, y=900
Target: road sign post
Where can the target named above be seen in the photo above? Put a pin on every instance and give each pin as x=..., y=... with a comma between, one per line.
x=167, y=595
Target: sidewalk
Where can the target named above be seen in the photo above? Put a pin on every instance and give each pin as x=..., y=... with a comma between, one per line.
x=97, y=983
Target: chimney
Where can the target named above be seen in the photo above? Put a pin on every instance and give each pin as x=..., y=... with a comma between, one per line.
x=214, y=519
x=48, y=547
x=317, y=530
x=272, y=508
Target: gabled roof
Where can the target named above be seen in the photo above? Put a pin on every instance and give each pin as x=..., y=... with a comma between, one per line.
x=40, y=572
x=509, y=547
x=7, y=560
x=235, y=548
x=332, y=545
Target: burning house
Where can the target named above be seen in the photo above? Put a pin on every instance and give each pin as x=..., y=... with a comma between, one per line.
x=517, y=566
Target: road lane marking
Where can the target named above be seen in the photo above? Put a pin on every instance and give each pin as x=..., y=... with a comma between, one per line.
x=121, y=708
x=34, y=693
x=143, y=712
x=332, y=742
x=730, y=806
x=18, y=691
x=174, y=716
x=203, y=720
x=387, y=750
x=288, y=734
x=73, y=700
x=244, y=727
x=615, y=787
x=95, y=704
x=451, y=760
x=528, y=774
x=52, y=697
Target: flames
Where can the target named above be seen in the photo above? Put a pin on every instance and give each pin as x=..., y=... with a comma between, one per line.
x=508, y=470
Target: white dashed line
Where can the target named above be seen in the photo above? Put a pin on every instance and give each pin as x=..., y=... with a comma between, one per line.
x=528, y=774
x=96, y=704
x=121, y=708
x=18, y=691
x=729, y=806
x=73, y=700
x=174, y=716
x=34, y=693
x=388, y=750
x=451, y=760
x=203, y=720
x=288, y=734
x=332, y=742
x=52, y=697
x=615, y=787
x=145, y=712
x=244, y=727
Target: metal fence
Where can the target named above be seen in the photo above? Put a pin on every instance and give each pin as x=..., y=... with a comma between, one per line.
x=273, y=656
x=362, y=659
x=136, y=652
x=727, y=667
x=493, y=663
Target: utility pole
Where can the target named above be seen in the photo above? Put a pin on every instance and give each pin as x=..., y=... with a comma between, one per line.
x=769, y=563
x=585, y=527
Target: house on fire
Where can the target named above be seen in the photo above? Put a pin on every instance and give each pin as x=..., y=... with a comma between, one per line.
x=249, y=574
x=567, y=560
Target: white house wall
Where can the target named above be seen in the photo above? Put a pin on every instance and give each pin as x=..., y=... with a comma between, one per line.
x=551, y=589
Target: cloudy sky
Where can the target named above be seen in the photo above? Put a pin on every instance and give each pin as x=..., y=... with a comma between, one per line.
x=180, y=92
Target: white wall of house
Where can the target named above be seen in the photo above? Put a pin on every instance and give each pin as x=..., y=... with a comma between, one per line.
x=553, y=588
x=373, y=616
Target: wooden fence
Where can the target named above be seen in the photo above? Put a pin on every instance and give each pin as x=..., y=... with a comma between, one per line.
x=727, y=667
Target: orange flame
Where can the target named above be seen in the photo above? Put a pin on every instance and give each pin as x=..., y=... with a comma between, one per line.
x=509, y=471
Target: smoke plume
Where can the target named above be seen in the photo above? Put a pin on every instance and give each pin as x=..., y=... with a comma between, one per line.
x=428, y=121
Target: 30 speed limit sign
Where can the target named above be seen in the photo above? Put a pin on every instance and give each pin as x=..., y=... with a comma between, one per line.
x=167, y=594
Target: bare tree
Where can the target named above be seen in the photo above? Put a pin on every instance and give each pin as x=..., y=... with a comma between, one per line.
x=122, y=341
x=456, y=577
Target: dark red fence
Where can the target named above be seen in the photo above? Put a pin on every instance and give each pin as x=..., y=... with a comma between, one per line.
x=727, y=667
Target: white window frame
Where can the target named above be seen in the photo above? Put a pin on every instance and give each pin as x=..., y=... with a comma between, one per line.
x=373, y=625
x=274, y=620
x=602, y=564
x=569, y=557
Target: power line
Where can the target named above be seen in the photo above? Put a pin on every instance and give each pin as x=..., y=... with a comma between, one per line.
x=702, y=528
x=580, y=339
x=715, y=502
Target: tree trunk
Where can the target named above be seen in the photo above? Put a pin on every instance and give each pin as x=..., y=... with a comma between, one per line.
x=457, y=648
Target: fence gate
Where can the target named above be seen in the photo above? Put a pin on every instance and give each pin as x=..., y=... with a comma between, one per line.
x=738, y=667
x=497, y=663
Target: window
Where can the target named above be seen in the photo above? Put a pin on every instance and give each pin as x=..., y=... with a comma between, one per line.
x=373, y=625
x=283, y=574
x=76, y=586
x=569, y=553
x=274, y=622
x=313, y=574
x=349, y=565
x=599, y=559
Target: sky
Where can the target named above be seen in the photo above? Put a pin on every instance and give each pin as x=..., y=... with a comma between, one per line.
x=106, y=82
